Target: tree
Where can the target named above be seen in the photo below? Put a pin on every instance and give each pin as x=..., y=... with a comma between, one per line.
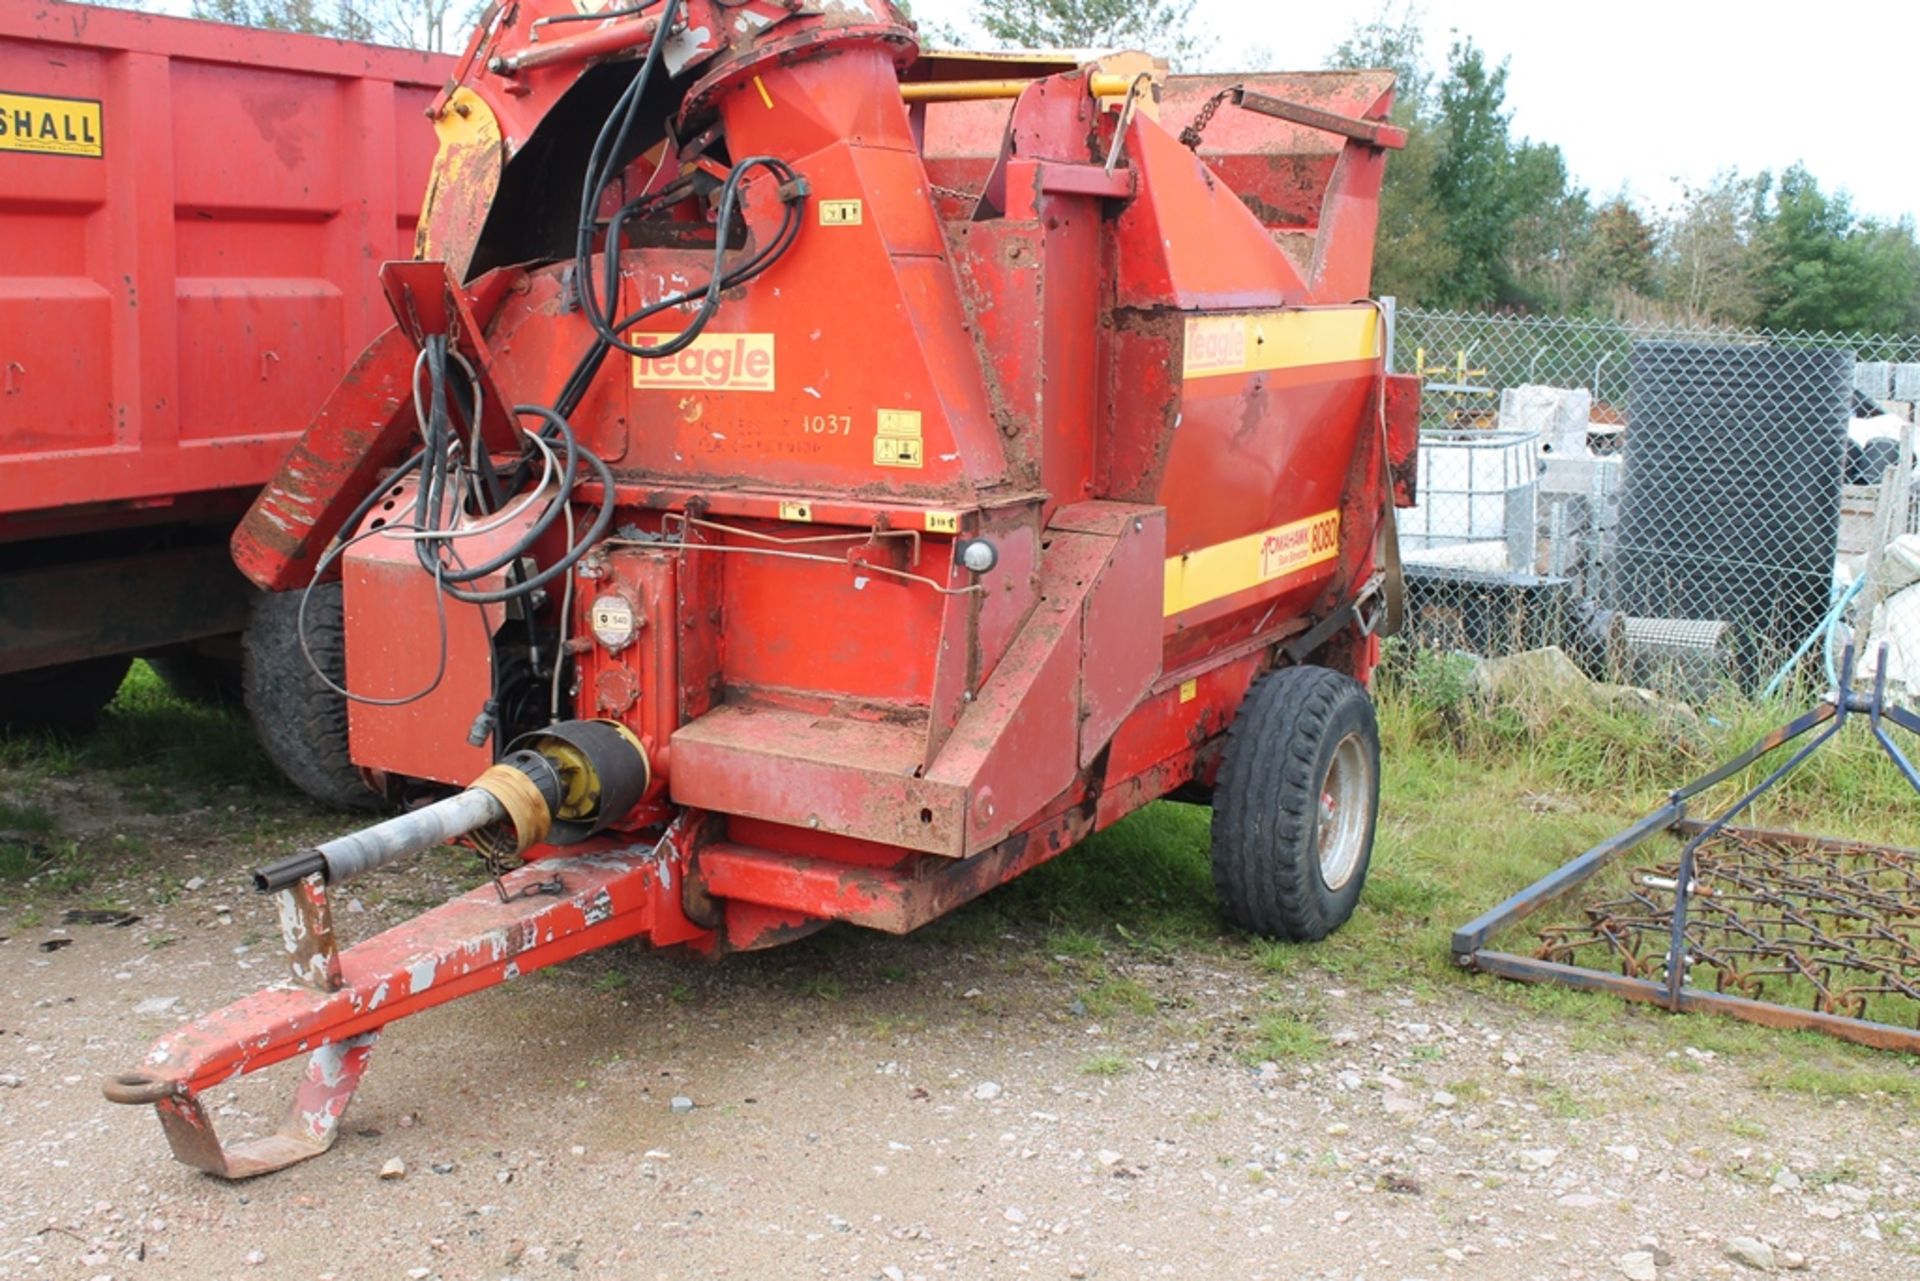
x=1471, y=180
x=1157, y=26
x=1710, y=259
x=1412, y=254
x=1617, y=256
x=308, y=17
x=1391, y=40
x=1826, y=270
x=1552, y=222
x=417, y=24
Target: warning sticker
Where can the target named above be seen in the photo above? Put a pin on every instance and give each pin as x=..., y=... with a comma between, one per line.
x=898, y=441
x=50, y=126
x=842, y=213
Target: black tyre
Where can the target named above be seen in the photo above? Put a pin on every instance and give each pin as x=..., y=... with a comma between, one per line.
x=300, y=722
x=67, y=699
x=201, y=678
x=1295, y=803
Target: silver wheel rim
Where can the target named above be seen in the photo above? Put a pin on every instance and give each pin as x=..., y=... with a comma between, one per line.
x=1346, y=799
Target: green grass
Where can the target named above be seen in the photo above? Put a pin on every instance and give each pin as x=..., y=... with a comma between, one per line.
x=149, y=737
x=26, y=819
x=1477, y=803
x=1106, y=1064
x=1285, y=1035
x=152, y=753
x=1119, y=995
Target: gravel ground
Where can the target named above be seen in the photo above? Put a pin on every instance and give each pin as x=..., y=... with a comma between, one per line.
x=958, y=1104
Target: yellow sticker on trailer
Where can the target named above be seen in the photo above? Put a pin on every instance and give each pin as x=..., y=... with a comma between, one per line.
x=1208, y=574
x=898, y=440
x=842, y=213
x=1267, y=341
x=51, y=126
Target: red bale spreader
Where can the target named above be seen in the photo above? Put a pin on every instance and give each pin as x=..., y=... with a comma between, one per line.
x=811, y=479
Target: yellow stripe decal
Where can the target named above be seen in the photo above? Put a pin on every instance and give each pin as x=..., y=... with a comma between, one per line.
x=1210, y=573
x=1256, y=342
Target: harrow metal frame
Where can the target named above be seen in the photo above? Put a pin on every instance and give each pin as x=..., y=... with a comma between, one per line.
x=1470, y=941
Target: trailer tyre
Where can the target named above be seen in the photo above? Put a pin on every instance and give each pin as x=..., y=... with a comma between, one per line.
x=1295, y=804
x=66, y=699
x=299, y=721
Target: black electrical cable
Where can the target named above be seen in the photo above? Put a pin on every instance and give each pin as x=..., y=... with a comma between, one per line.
x=577, y=384
x=428, y=551
x=721, y=279
x=604, y=159
x=431, y=499
x=602, y=521
x=436, y=460
x=352, y=522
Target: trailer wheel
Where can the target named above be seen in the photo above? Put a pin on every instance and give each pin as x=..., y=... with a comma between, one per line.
x=299, y=721
x=67, y=699
x=1295, y=803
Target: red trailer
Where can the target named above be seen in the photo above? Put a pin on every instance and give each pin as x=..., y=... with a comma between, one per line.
x=191, y=215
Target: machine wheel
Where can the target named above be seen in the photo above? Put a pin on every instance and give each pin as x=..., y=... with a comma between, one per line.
x=1294, y=805
x=200, y=678
x=67, y=699
x=301, y=723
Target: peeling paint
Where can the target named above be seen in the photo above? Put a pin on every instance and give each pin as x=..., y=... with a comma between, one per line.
x=420, y=974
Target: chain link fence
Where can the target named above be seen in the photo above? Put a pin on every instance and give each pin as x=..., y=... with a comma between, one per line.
x=1684, y=509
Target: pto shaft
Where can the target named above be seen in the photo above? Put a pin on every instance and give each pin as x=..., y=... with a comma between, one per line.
x=564, y=783
x=348, y=856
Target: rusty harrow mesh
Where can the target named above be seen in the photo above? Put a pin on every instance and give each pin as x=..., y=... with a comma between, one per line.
x=1777, y=928
x=1794, y=920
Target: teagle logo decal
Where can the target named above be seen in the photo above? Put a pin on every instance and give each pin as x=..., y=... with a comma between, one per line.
x=1216, y=344
x=712, y=362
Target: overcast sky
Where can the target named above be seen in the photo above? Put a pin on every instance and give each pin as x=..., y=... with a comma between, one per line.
x=1641, y=93
x=1644, y=95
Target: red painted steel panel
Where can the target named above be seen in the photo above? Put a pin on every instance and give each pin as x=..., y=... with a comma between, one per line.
x=943, y=546
x=178, y=298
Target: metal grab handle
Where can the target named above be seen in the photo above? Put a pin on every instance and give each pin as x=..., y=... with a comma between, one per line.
x=1375, y=133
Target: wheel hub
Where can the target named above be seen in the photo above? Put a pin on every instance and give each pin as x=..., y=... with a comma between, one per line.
x=1342, y=826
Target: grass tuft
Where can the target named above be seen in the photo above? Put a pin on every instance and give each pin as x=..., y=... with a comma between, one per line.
x=1286, y=1035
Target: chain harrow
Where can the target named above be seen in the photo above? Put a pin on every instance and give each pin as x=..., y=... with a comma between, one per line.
x=1834, y=925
